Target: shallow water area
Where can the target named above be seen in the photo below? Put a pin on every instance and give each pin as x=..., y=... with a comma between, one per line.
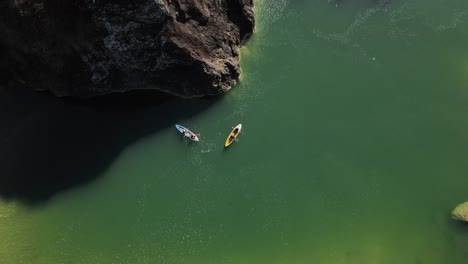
x=353, y=150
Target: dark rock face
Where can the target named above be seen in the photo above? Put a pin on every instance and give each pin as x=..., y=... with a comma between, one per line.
x=92, y=47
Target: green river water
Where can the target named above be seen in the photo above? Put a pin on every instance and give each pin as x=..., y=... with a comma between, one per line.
x=354, y=151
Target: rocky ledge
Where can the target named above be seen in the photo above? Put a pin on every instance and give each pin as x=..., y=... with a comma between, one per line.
x=461, y=212
x=86, y=48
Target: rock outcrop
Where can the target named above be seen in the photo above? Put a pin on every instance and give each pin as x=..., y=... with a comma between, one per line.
x=461, y=212
x=86, y=48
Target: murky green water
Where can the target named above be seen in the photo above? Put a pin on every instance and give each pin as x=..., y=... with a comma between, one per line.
x=354, y=151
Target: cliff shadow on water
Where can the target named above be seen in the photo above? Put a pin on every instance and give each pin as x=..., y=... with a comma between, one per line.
x=49, y=144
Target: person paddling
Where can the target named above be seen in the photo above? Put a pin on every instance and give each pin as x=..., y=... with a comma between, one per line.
x=192, y=136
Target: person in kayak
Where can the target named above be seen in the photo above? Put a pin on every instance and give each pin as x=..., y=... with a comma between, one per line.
x=231, y=138
x=193, y=136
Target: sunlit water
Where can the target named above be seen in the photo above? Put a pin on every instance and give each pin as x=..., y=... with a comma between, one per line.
x=354, y=150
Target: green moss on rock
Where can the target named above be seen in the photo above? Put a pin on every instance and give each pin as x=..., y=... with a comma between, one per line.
x=461, y=212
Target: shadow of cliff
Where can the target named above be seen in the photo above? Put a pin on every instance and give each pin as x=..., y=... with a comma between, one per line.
x=48, y=144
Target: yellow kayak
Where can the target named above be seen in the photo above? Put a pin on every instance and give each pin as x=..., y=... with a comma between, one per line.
x=233, y=135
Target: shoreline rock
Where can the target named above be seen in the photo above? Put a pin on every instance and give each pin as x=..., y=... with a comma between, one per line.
x=460, y=212
x=86, y=48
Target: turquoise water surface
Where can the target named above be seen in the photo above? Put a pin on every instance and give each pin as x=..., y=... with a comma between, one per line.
x=354, y=151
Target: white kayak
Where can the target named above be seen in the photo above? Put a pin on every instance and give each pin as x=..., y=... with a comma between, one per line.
x=187, y=133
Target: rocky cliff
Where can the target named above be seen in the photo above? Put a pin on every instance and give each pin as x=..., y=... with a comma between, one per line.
x=92, y=47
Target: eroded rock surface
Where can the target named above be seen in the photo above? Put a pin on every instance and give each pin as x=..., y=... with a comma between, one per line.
x=92, y=47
